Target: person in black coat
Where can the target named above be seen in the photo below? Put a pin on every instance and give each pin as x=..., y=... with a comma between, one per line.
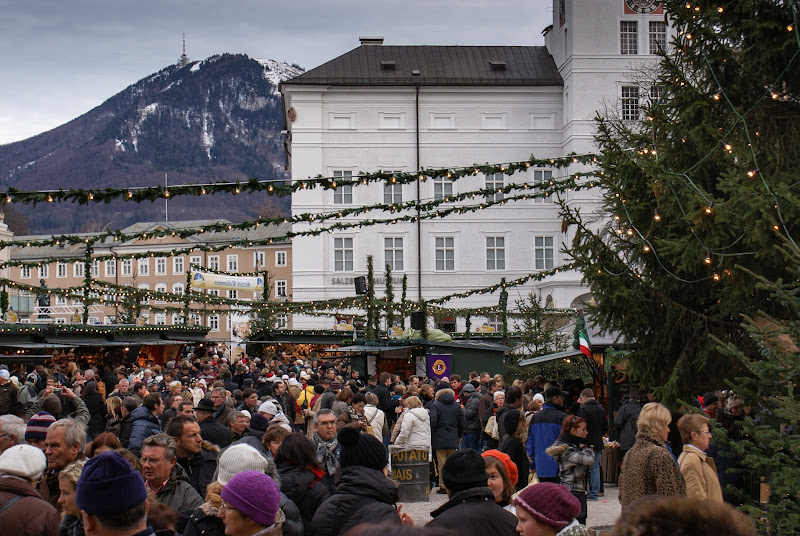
x=512, y=445
x=210, y=429
x=471, y=508
x=97, y=409
x=365, y=493
x=301, y=476
x=596, y=425
x=447, y=427
x=384, y=394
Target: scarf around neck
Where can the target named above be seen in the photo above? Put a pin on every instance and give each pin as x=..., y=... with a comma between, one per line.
x=326, y=453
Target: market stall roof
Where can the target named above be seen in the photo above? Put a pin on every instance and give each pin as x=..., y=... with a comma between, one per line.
x=74, y=335
x=550, y=357
x=368, y=348
x=471, y=344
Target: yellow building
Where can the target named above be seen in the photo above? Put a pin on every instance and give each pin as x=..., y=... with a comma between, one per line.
x=136, y=263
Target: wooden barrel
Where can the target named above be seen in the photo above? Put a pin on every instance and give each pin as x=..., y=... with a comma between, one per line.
x=410, y=471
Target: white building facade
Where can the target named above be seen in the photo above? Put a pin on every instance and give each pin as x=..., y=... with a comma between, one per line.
x=405, y=108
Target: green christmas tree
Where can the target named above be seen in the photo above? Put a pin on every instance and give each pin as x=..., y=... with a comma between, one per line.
x=699, y=196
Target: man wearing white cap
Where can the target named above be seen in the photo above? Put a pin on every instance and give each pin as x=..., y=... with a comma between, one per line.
x=22, y=510
x=8, y=391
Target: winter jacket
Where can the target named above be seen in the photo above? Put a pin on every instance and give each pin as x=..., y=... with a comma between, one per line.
x=27, y=394
x=384, y=401
x=649, y=469
x=8, y=395
x=214, y=432
x=30, y=515
x=575, y=461
x=474, y=512
x=377, y=420
x=544, y=431
x=473, y=423
x=484, y=406
x=415, y=431
x=222, y=414
x=625, y=423
x=447, y=422
x=201, y=467
x=363, y=496
x=700, y=474
x=512, y=446
x=282, y=420
x=124, y=427
x=144, y=424
x=499, y=414
x=81, y=413
x=97, y=411
x=305, y=488
x=596, y=423
x=339, y=407
x=178, y=493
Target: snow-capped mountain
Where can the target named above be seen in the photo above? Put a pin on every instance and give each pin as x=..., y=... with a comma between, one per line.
x=216, y=119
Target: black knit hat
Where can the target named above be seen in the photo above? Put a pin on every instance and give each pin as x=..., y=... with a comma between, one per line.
x=361, y=449
x=464, y=469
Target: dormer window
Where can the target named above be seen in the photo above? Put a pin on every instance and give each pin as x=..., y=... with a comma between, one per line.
x=388, y=65
x=498, y=65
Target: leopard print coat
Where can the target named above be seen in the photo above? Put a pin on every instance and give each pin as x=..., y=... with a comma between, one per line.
x=649, y=469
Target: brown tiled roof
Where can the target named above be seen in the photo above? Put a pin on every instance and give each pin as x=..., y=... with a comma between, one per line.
x=437, y=66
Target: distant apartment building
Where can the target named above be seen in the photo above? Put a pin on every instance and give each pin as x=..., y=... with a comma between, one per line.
x=163, y=274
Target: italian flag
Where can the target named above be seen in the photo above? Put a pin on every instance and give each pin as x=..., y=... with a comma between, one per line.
x=583, y=341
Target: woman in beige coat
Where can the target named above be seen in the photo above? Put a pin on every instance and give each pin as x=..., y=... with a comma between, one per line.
x=698, y=469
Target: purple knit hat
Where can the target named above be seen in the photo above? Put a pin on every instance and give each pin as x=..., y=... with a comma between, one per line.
x=550, y=503
x=254, y=495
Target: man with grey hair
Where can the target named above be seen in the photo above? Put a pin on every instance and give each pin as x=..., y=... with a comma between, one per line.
x=64, y=444
x=164, y=477
x=12, y=431
x=222, y=411
x=328, y=448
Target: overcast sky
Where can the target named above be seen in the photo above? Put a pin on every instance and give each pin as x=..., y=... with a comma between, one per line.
x=62, y=58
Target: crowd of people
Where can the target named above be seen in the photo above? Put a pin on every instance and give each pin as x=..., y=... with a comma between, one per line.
x=213, y=445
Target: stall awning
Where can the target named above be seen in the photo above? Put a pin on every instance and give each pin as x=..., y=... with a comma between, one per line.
x=367, y=348
x=550, y=357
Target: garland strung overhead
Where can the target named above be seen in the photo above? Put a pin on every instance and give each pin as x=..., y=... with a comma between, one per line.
x=151, y=193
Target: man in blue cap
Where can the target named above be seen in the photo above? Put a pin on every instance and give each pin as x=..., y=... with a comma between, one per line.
x=112, y=497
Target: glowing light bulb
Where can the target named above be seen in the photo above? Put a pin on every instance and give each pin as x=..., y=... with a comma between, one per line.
x=707, y=260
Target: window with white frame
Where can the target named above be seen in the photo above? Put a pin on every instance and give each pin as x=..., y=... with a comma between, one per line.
x=61, y=269
x=543, y=252
x=280, y=288
x=213, y=322
x=194, y=319
x=111, y=268
x=44, y=271
x=343, y=254
x=25, y=272
x=144, y=266
x=281, y=321
x=213, y=292
x=259, y=259
x=343, y=194
x=495, y=253
x=233, y=294
x=233, y=263
x=629, y=37
x=442, y=187
x=161, y=287
x=127, y=267
x=61, y=300
x=78, y=268
x=61, y=320
x=160, y=319
x=196, y=260
x=177, y=318
x=658, y=36
x=392, y=193
x=95, y=268
x=445, y=253
x=496, y=181
x=280, y=258
x=629, y=103
x=108, y=320
x=177, y=288
x=177, y=265
x=393, y=252
x=161, y=266
x=541, y=179
x=213, y=262
x=143, y=288
x=495, y=322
